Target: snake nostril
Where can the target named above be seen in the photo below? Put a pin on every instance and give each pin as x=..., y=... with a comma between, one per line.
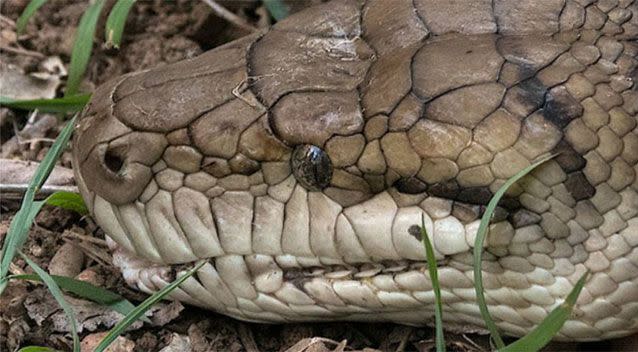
x=113, y=161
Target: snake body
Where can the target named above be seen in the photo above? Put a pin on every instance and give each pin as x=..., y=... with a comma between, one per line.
x=299, y=161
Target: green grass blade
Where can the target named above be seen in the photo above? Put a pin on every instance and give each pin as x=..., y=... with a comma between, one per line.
x=434, y=277
x=68, y=200
x=549, y=327
x=478, y=249
x=36, y=349
x=28, y=12
x=277, y=9
x=48, y=163
x=143, y=307
x=116, y=21
x=17, y=235
x=57, y=294
x=73, y=103
x=23, y=219
x=82, y=46
x=88, y=291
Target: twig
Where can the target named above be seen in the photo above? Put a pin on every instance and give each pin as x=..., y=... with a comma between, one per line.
x=246, y=338
x=229, y=16
x=98, y=255
x=341, y=346
x=404, y=339
x=16, y=270
x=469, y=340
x=237, y=93
x=306, y=343
x=15, y=176
x=8, y=21
x=20, y=189
x=94, y=240
x=37, y=129
x=20, y=51
x=36, y=140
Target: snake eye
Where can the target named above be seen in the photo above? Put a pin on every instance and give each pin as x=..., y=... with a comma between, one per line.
x=311, y=166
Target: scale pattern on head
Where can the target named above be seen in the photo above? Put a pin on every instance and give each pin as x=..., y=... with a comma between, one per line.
x=301, y=159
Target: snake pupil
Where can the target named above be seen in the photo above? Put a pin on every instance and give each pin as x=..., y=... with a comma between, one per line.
x=312, y=167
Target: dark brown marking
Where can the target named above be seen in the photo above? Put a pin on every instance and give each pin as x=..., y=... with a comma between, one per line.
x=499, y=214
x=533, y=93
x=560, y=107
x=511, y=204
x=524, y=217
x=448, y=190
x=297, y=277
x=410, y=185
x=579, y=187
x=415, y=231
x=217, y=167
x=568, y=159
x=240, y=164
x=466, y=213
x=475, y=195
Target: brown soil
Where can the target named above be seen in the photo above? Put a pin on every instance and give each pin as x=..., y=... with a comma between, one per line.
x=157, y=32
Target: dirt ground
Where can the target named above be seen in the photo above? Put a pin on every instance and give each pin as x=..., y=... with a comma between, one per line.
x=157, y=32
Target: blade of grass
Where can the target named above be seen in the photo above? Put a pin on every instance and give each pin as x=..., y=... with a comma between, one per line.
x=143, y=307
x=23, y=219
x=68, y=200
x=277, y=9
x=88, y=291
x=59, y=297
x=48, y=163
x=549, y=327
x=16, y=237
x=29, y=11
x=36, y=349
x=72, y=103
x=434, y=277
x=82, y=46
x=478, y=249
x=116, y=21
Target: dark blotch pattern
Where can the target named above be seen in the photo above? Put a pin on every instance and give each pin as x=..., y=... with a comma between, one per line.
x=410, y=185
x=415, y=231
x=568, y=159
x=523, y=218
x=533, y=93
x=579, y=187
x=560, y=107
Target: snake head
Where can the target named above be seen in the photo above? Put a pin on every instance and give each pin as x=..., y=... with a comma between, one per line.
x=302, y=160
x=177, y=162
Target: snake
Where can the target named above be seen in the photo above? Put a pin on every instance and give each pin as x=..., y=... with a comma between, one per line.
x=298, y=163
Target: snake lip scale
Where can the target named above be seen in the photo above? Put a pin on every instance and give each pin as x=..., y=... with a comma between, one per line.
x=299, y=161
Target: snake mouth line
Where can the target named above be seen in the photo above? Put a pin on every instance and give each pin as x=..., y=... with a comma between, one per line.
x=286, y=268
x=294, y=272
x=264, y=289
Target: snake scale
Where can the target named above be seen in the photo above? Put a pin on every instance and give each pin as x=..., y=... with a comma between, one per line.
x=298, y=162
